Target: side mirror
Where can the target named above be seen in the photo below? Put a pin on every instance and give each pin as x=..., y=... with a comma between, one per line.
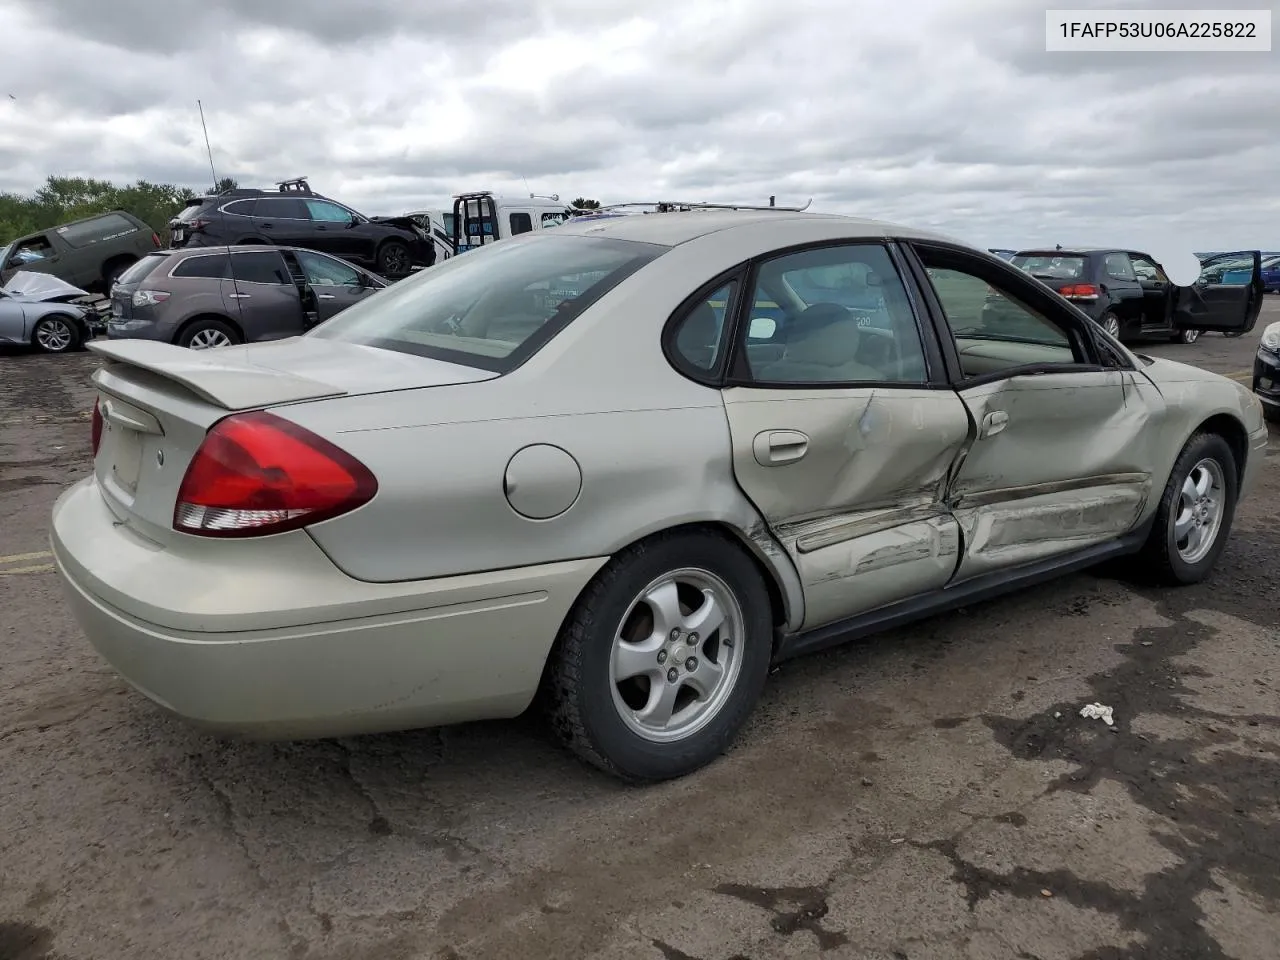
x=352, y=221
x=762, y=328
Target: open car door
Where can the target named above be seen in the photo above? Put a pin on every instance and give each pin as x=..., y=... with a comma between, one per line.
x=1226, y=298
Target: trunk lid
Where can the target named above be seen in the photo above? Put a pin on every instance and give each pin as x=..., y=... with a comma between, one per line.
x=158, y=401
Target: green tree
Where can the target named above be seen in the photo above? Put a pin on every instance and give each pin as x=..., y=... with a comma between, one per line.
x=225, y=184
x=583, y=204
x=61, y=199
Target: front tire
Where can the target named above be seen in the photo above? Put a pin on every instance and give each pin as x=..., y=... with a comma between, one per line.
x=1195, y=513
x=1185, y=336
x=662, y=658
x=55, y=334
x=394, y=260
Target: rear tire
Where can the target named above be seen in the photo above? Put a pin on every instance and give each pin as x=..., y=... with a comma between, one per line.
x=394, y=261
x=56, y=333
x=1185, y=336
x=206, y=334
x=1110, y=323
x=623, y=689
x=1193, y=519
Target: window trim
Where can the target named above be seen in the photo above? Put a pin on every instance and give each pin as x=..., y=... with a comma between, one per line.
x=739, y=373
x=1080, y=328
x=715, y=377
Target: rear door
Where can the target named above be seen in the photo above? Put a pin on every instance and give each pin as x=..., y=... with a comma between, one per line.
x=283, y=220
x=1227, y=297
x=268, y=303
x=1061, y=452
x=335, y=285
x=840, y=436
x=1157, y=291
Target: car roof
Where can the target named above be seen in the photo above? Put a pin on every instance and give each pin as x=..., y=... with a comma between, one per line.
x=1074, y=251
x=671, y=229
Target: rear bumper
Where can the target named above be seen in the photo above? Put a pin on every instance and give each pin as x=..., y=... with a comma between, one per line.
x=268, y=639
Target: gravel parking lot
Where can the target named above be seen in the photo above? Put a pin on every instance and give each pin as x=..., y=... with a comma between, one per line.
x=931, y=793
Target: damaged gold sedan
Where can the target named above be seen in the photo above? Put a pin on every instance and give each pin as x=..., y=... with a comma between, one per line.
x=628, y=463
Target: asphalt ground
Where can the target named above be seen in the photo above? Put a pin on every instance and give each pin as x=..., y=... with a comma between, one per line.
x=930, y=794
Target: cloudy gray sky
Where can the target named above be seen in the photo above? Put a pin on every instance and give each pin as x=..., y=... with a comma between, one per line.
x=937, y=113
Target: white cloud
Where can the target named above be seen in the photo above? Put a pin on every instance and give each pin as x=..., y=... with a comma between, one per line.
x=941, y=114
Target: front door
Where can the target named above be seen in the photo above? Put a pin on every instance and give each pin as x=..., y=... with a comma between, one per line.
x=841, y=437
x=1157, y=292
x=1227, y=297
x=1059, y=458
x=335, y=285
x=268, y=304
x=334, y=231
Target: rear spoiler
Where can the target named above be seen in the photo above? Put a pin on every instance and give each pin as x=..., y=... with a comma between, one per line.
x=224, y=377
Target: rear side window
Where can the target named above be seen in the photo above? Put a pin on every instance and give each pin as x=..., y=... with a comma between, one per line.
x=281, y=208
x=142, y=268
x=521, y=223
x=495, y=306
x=260, y=266
x=1051, y=268
x=208, y=267
x=106, y=227
x=1117, y=265
x=241, y=208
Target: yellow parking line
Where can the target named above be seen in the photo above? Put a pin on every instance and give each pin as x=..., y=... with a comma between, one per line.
x=1240, y=375
x=19, y=557
x=38, y=568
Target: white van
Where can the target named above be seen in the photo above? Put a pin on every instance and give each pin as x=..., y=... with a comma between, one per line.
x=482, y=217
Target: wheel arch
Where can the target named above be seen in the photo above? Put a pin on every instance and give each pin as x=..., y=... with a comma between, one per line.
x=1232, y=431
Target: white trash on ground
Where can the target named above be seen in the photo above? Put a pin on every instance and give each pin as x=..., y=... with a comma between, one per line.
x=1096, y=711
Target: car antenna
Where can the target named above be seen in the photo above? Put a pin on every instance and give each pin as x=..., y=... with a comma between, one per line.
x=231, y=263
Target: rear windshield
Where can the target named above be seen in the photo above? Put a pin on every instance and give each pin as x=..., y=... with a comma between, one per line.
x=107, y=227
x=192, y=208
x=493, y=307
x=1055, y=268
x=142, y=268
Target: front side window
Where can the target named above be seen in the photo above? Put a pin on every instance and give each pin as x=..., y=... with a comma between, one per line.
x=837, y=314
x=322, y=271
x=1146, y=269
x=497, y=305
x=994, y=330
x=327, y=212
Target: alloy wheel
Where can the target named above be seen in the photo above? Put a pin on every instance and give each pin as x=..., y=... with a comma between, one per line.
x=1199, y=515
x=54, y=335
x=207, y=339
x=677, y=655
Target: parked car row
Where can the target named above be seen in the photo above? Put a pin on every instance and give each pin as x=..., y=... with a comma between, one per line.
x=458, y=492
x=1128, y=294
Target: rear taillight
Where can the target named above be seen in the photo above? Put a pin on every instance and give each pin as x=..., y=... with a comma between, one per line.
x=256, y=474
x=149, y=298
x=155, y=240
x=95, y=431
x=1079, y=291
x=197, y=224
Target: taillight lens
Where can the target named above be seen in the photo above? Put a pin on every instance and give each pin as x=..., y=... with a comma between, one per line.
x=155, y=240
x=256, y=474
x=149, y=298
x=197, y=224
x=95, y=431
x=1079, y=291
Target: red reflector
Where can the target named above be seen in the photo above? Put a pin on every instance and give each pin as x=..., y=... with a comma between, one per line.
x=256, y=473
x=95, y=431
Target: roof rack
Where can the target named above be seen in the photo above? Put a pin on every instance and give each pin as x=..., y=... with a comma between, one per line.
x=672, y=206
x=295, y=185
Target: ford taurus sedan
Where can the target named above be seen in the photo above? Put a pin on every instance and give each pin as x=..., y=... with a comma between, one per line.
x=573, y=464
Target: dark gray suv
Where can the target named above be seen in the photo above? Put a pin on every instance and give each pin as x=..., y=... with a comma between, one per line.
x=216, y=296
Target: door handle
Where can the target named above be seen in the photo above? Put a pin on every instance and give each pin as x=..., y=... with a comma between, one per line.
x=265, y=226
x=325, y=296
x=776, y=447
x=239, y=296
x=994, y=422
